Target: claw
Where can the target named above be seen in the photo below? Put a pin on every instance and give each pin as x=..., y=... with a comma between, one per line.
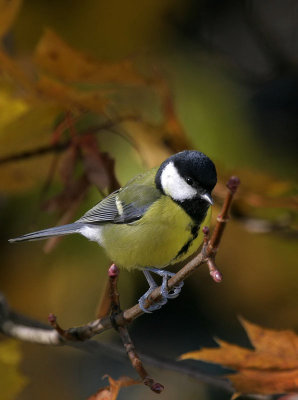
x=165, y=293
x=153, y=307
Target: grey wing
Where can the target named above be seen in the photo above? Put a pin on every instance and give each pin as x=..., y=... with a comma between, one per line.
x=104, y=211
x=122, y=208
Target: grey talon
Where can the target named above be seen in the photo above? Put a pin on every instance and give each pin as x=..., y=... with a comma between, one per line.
x=164, y=291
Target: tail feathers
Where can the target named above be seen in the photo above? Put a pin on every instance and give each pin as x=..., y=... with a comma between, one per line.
x=46, y=233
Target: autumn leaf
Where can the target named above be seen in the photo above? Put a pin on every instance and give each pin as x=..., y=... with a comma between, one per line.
x=94, y=164
x=111, y=392
x=272, y=367
x=8, y=12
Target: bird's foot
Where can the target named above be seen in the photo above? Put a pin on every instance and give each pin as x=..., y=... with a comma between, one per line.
x=153, y=307
x=166, y=275
x=165, y=292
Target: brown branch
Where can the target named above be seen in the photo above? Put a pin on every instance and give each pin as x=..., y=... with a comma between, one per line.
x=104, y=305
x=20, y=327
x=136, y=361
x=61, y=146
x=124, y=334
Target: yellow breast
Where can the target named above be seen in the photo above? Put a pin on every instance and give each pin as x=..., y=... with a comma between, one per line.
x=155, y=239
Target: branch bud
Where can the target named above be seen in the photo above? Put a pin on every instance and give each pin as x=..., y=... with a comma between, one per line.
x=233, y=183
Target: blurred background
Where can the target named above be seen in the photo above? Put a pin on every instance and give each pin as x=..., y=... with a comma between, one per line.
x=218, y=76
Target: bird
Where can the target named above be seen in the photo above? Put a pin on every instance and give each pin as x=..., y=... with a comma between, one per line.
x=152, y=222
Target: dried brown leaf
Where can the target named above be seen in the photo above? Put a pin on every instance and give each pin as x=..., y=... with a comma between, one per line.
x=68, y=201
x=73, y=191
x=94, y=164
x=68, y=163
x=265, y=382
x=272, y=367
x=111, y=392
x=174, y=134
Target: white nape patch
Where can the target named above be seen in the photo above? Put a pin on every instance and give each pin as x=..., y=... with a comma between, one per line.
x=91, y=232
x=174, y=185
x=119, y=205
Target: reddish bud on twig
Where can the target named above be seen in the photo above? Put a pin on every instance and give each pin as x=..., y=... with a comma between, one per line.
x=52, y=319
x=214, y=272
x=216, y=275
x=233, y=183
x=113, y=271
x=154, y=386
x=157, y=387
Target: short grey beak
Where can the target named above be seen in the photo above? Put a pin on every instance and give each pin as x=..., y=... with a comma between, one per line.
x=207, y=197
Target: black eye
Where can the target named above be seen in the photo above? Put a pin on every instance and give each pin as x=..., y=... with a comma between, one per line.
x=189, y=181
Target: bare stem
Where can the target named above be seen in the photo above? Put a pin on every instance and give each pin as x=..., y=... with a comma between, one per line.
x=124, y=334
x=136, y=361
x=61, y=146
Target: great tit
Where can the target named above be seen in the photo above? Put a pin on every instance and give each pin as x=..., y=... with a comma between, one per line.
x=153, y=221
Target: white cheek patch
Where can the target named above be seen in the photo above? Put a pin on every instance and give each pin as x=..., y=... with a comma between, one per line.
x=174, y=185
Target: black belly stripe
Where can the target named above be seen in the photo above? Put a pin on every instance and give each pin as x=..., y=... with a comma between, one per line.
x=186, y=246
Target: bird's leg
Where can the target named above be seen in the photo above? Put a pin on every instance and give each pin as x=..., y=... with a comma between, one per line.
x=166, y=275
x=165, y=294
x=152, y=286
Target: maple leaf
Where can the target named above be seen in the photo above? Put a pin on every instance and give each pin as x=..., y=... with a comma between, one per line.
x=272, y=367
x=111, y=392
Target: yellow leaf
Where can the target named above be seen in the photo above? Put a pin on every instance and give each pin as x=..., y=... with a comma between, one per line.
x=10, y=106
x=12, y=381
x=8, y=12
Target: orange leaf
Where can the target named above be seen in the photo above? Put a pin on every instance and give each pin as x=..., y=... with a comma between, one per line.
x=111, y=392
x=272, y=367
x=265, y=382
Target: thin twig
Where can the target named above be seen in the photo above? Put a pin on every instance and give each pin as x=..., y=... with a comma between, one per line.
x=104, y=305
x=124, y=334
x=20, y=327
x=136, y=361
x=61, y=146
